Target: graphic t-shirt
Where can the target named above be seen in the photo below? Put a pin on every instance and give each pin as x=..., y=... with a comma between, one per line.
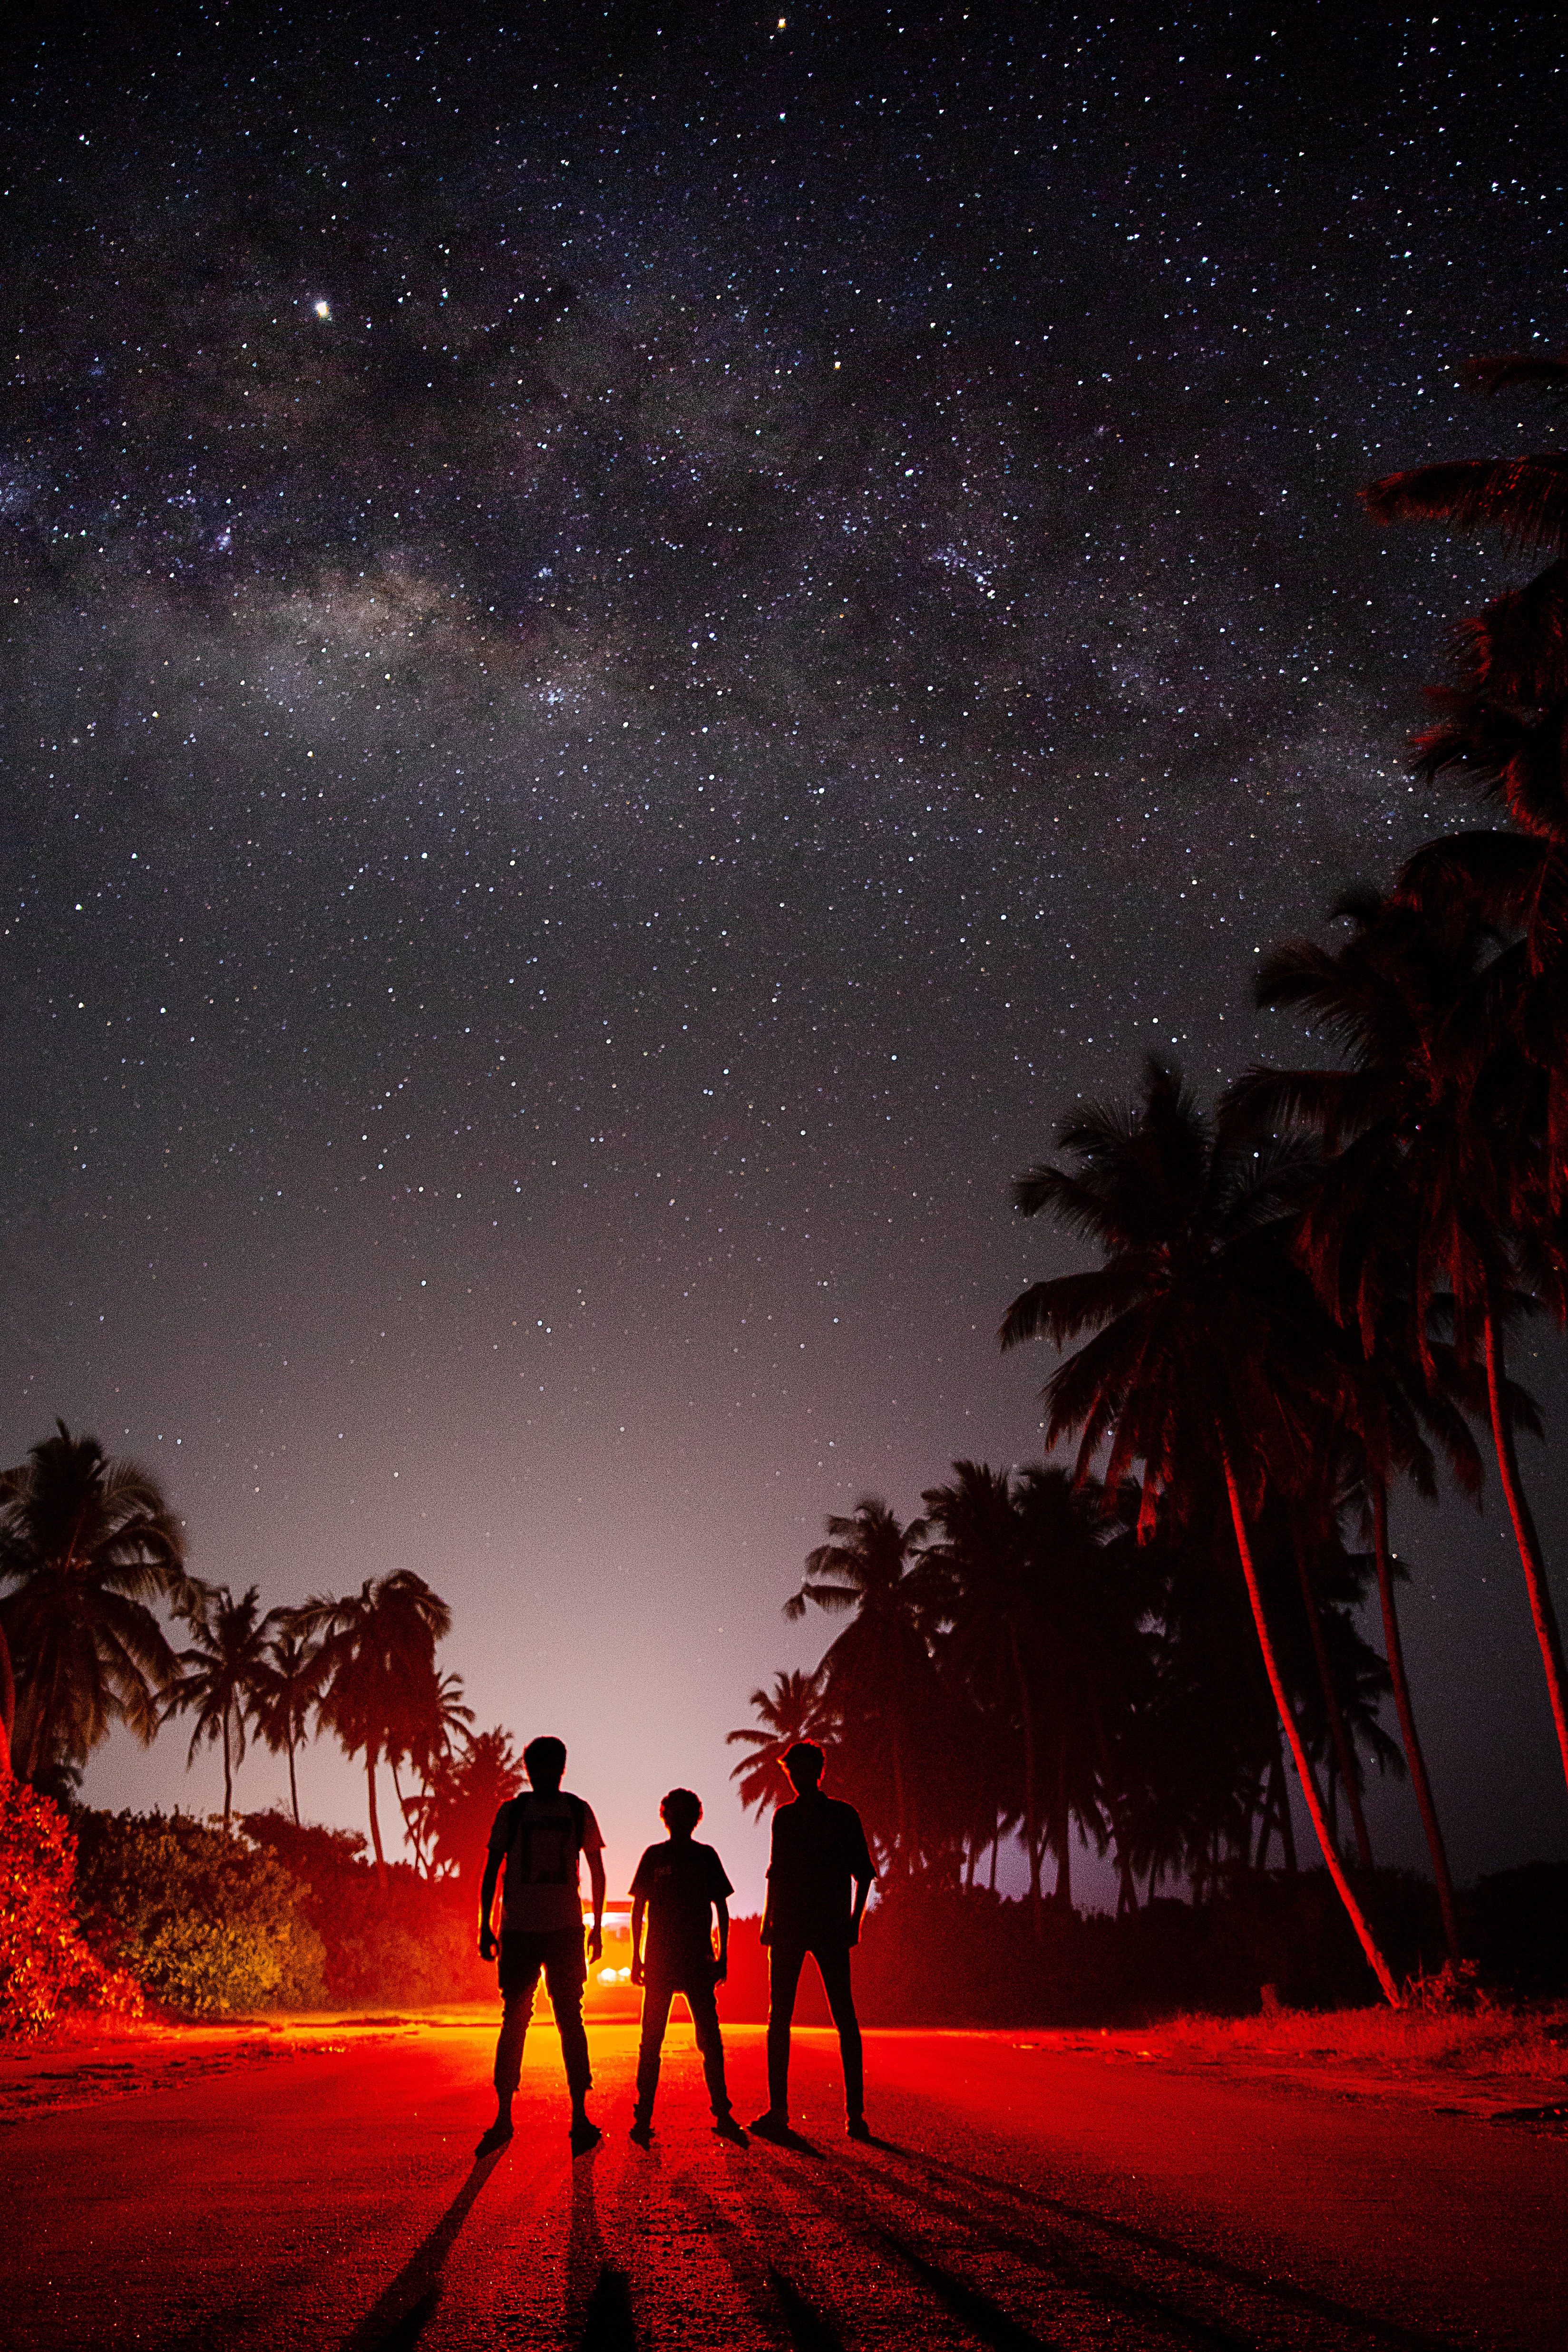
x=540, y=1838
x=681, y=1881
x=818, y=1850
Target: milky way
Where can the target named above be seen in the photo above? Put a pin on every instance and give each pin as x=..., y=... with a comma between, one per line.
x=634, y=650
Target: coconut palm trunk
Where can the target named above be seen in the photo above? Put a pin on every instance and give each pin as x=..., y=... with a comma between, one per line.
x=1031, y=1787
x=1548, y=1632
x=375, y=1816
x=1343, y=1751
x=227, y=1775
x=1378, y=1965
x=901, y=1804
x=7, y=1708
x=1413, y=1757
x=1287, y=1819
x=1063, y=1826
x=293, y=1784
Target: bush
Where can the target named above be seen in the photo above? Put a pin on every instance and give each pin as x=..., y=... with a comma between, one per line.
x=211, y=1924
x=405, y=1940
x=44, y=1966
x=947, y=1955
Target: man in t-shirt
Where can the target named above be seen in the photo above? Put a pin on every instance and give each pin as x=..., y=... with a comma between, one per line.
x=819, y=1879
x=679, y=1886
x=537, y=1838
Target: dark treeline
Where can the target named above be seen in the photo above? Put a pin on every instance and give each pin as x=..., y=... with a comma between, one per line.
x=91, y=1553
x=1297, y=1300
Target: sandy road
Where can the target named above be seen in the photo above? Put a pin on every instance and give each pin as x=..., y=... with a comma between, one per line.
x=1017, y=2196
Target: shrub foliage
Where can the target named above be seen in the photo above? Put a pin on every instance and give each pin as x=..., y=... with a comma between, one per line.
x=211, y=1924
x=45, y=1968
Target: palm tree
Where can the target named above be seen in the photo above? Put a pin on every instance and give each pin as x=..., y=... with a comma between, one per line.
x=1421, y=1185
x=462, y=1794
x=1201, y=1337
x=977, y=1586
x=1203, y=1749
x=879, y=1677
x=222, y=1667
x=794, y=1709
x=85, y=1544
x=380, y=1693
x=7, y=1706
x=1042, y=1629
x=1502, y=725
x=433, y=1746
x=285, y=1686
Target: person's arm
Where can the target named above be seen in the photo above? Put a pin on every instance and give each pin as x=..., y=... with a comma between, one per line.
x=486, y=1898
x=722, y=1970
x=863, y=1871
x=862, y=1897
x=596, y=1881
x=765, y=1933
x=638, y=1909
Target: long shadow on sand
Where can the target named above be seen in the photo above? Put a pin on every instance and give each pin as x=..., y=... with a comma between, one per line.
x=1037, y=2218
x=400, y=2314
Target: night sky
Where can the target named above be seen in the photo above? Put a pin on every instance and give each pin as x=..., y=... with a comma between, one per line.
x=635, y=647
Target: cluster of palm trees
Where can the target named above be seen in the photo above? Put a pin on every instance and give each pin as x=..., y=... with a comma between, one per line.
x=1298, y=1301
x=88, y=1546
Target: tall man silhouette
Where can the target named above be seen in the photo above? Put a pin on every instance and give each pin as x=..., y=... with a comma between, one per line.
x=819, y=1878
x=538, y=1836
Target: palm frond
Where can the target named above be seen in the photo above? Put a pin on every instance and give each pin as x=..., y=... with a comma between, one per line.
x=1525, y=498
x=1498, y=372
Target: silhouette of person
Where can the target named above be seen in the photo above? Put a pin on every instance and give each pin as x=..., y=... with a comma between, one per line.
x=537, y=1836
x=680, y=1887
x=819, y=1878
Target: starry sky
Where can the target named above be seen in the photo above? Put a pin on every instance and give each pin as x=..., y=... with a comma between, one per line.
x=638, y=640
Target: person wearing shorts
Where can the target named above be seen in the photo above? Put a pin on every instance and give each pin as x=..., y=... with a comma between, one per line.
x=536, y=1841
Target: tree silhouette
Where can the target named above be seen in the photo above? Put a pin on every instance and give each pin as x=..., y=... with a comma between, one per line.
x=433, y=1746
x=85, y=1544
x=794, y=1709
x=1017, y=1574
x=285, y=1686
x=1418, y=1185
x=878, y=1675
x=464, y=1790
x=227, y=1655
x=1200, y=1338
x=380, y=1694
x=976, y=1583
x=1504, y=725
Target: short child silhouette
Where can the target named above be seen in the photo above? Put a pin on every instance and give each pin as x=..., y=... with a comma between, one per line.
x=679, y=1886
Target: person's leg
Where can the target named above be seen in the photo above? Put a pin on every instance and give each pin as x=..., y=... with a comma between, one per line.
x=520, y=1965
x=710, y=2041
x=834, y=1964
x=565, y=1972
x=656, y=1996
x=785, y=1963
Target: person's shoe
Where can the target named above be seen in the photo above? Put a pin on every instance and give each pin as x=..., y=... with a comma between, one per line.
x=858, y=2129
x=496, y=2139
x=641, y=2131
x=583, y=2135
x=772, y=2127
x=728, y=2128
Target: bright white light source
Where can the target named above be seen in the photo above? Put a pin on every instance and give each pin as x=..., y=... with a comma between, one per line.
x=322, y=309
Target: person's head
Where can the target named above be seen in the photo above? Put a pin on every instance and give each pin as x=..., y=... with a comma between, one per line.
x=544, y=1760
x=681, y=1812
x=804, y=1762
